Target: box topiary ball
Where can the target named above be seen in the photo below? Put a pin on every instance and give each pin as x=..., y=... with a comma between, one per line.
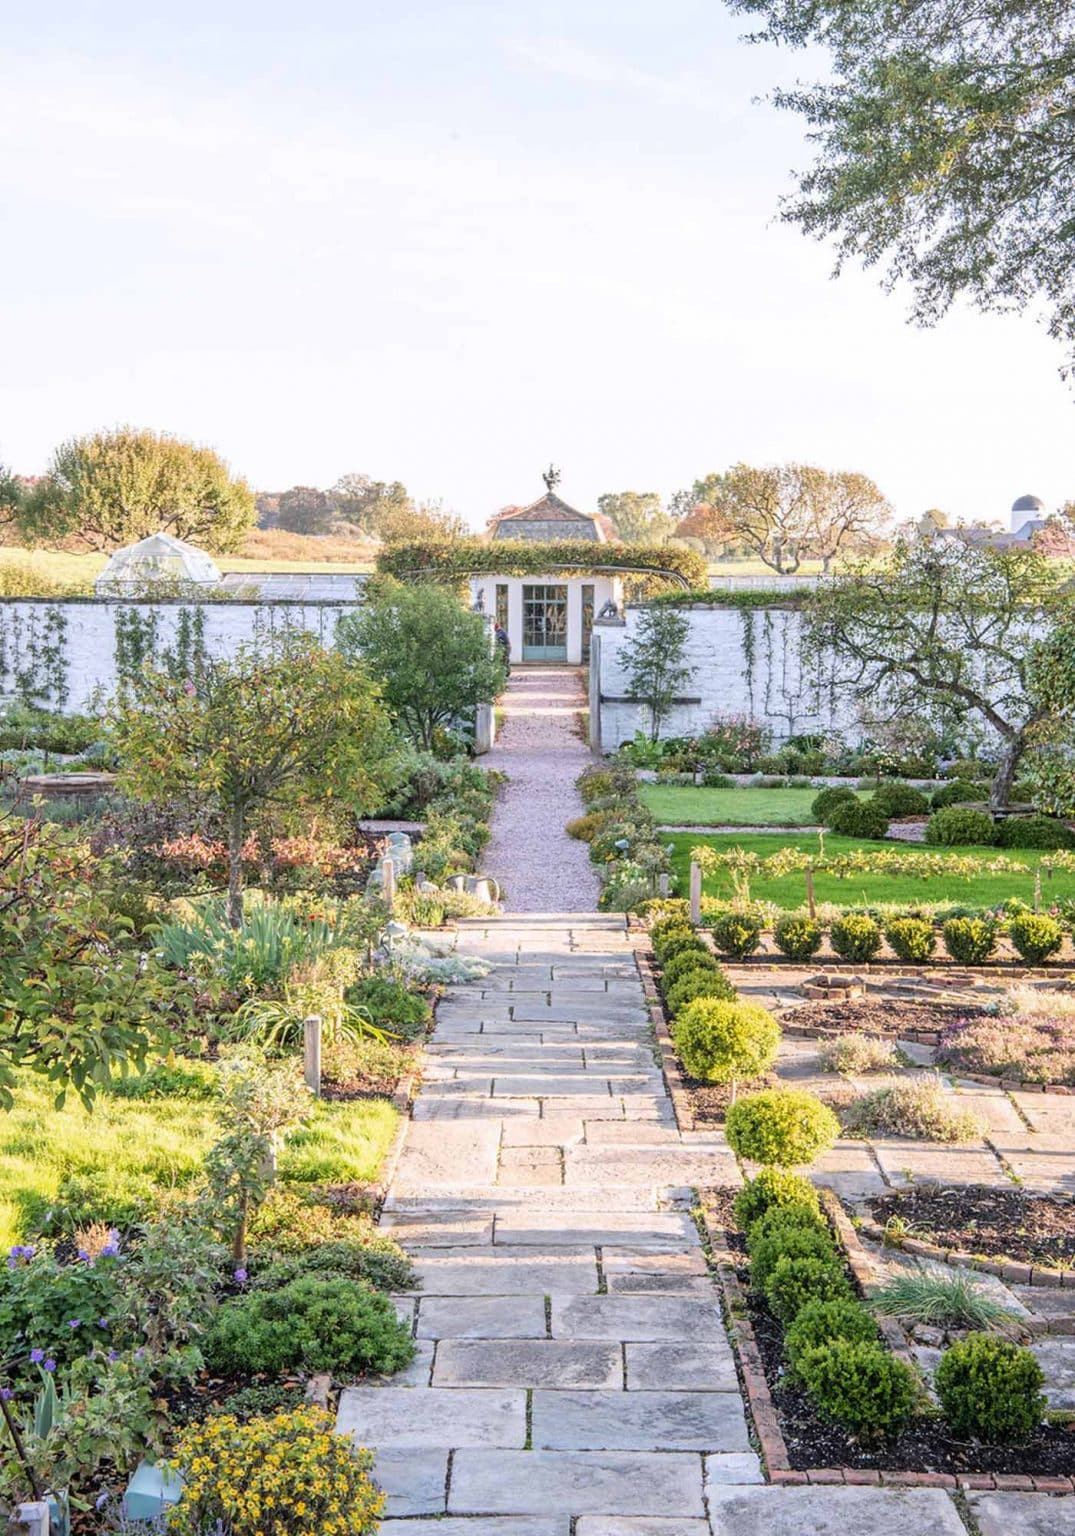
x=724, y=1042
x=785, y=1126
x=990, y=1389
x=772, y=1189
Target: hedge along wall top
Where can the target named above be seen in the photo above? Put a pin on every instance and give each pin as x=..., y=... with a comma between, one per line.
x=673, y=567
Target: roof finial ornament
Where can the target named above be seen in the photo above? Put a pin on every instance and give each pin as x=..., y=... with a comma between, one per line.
x=551, y=477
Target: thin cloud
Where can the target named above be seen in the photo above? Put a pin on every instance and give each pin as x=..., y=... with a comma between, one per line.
x=573, y=61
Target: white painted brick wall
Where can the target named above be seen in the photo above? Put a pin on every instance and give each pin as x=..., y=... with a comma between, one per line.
x=91, y=633
x=776, y=690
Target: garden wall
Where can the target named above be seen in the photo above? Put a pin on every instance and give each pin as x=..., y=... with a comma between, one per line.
x=63, y=654
x=746, y=661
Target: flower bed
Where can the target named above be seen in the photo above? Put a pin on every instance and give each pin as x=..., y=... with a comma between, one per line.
x=802, y=1443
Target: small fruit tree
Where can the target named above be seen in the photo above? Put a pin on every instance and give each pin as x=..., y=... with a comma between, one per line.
x=74, y=1001
x=287, y=726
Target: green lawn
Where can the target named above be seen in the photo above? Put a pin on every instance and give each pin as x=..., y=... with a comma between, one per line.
x=677, y=806
x=117, y=1161
x=869, y=890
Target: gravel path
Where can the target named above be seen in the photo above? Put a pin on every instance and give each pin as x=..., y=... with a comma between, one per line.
x=539, y=868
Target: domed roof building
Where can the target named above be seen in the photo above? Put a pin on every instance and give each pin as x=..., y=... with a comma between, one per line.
x=161, y=559
x=1024, y=508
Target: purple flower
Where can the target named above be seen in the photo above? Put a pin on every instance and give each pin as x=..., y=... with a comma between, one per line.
x=102, y=1322
x=74, y=1322
x=102, y=1500
x=36, y=1356
x=6, y=1394
x=48, y=1365
x=84, y=1256
x=240, y=1275
x=113, y=1354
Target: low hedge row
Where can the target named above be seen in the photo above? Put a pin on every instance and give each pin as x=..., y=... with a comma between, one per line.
x=858, y=938
x=988, y=1387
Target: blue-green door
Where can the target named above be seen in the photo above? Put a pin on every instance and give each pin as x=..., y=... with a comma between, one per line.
x=544, y=623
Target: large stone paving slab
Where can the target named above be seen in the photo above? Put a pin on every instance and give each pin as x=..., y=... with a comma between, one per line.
x=1023, y=1514
x=527, y=1363
x=499, y=1525
x=577, y=1482
x=423, y=1418
x=642, y=1421
x=821, y=1511
x=636, y=1318
x=684, y=1366
x=505, y=1270
x=481, y=1317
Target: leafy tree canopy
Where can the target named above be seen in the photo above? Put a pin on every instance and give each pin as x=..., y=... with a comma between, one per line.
x=430, y=655
x=75, y=1005
x=113, y=488
x=282, y=725
x=785, y=513
x=945, y=145
x=637, y=516
x=304, y=509
x=940, y=622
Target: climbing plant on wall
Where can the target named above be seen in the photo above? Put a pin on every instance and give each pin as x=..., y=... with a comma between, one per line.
x=33, y=654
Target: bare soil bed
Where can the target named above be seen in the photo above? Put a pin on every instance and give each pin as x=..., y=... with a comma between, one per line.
x=982, y=1219
x=890, y=1016
x=709, y=1101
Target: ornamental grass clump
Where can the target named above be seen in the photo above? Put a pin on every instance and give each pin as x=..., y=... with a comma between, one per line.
x=286, y=1475
x=796, y=937
x=725, y=1042
x=920, y=1108
x=782, y=1126
x=939, y=1300
x=1036, y=936
x=911, y=939
x=772, y=1189
x=990, y=1390
x=970, y=940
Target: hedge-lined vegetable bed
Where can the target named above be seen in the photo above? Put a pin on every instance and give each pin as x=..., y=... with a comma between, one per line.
x=840, y=1390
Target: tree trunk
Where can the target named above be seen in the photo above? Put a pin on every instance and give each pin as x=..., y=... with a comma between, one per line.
x=238, y=1243
x=235, y=867
x=1014, y=747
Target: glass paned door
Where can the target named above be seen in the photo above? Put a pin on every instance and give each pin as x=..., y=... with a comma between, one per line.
x=587, y=618
x=544, y=623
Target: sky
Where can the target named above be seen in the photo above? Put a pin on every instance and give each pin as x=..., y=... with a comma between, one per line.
x=448, y=241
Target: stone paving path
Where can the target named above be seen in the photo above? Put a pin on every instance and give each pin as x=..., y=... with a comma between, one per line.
x=538, y=868
x=573, y=1376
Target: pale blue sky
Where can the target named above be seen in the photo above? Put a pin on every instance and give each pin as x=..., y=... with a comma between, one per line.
x=445, y=242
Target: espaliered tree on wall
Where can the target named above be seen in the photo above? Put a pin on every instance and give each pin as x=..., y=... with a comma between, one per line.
x=942, y=622
x=456, y=561
x=287, y=728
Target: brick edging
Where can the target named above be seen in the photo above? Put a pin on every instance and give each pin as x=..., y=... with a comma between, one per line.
x=760, y=1402
x=1008, y=1270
